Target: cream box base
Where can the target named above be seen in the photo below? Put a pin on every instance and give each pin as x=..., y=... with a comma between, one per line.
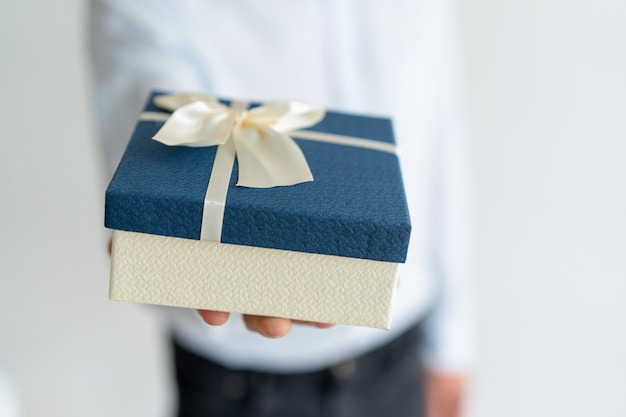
x=188, y=273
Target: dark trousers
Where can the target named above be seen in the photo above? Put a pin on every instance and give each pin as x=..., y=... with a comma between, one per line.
x=387, y=382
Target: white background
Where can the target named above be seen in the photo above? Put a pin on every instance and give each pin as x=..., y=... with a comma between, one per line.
x=547, y=97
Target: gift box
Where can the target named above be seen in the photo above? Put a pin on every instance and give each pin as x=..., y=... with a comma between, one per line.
x=324, y=250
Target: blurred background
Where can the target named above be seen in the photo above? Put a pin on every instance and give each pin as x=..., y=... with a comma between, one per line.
x=546, y=84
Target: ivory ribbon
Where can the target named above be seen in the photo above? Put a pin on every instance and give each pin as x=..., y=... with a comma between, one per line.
x=215, y=197
x=267, y=156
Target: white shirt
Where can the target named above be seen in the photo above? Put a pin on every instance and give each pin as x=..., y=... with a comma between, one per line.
x=390, y=57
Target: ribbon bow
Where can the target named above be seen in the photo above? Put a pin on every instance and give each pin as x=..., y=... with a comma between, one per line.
x=267, y=156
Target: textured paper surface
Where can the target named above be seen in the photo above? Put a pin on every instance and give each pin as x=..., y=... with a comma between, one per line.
x=180, y=272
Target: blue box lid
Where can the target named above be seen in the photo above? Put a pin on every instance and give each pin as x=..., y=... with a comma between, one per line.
x=355, y=207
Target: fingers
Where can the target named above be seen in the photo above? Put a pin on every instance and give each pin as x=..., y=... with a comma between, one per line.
x=214, y=318
x=314, y=324
x=272, y=327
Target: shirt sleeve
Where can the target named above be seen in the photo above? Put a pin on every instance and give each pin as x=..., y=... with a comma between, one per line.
x=135, y=47
x=449, y=327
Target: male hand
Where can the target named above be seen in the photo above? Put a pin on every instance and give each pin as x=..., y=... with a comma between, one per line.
x=445, y=394
x=272, y=327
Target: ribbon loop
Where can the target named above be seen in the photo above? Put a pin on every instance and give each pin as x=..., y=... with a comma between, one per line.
x=197, y=124
x=287, y=117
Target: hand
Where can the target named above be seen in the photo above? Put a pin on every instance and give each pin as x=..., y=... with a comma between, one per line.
x=445, y=394
x=272, y=327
